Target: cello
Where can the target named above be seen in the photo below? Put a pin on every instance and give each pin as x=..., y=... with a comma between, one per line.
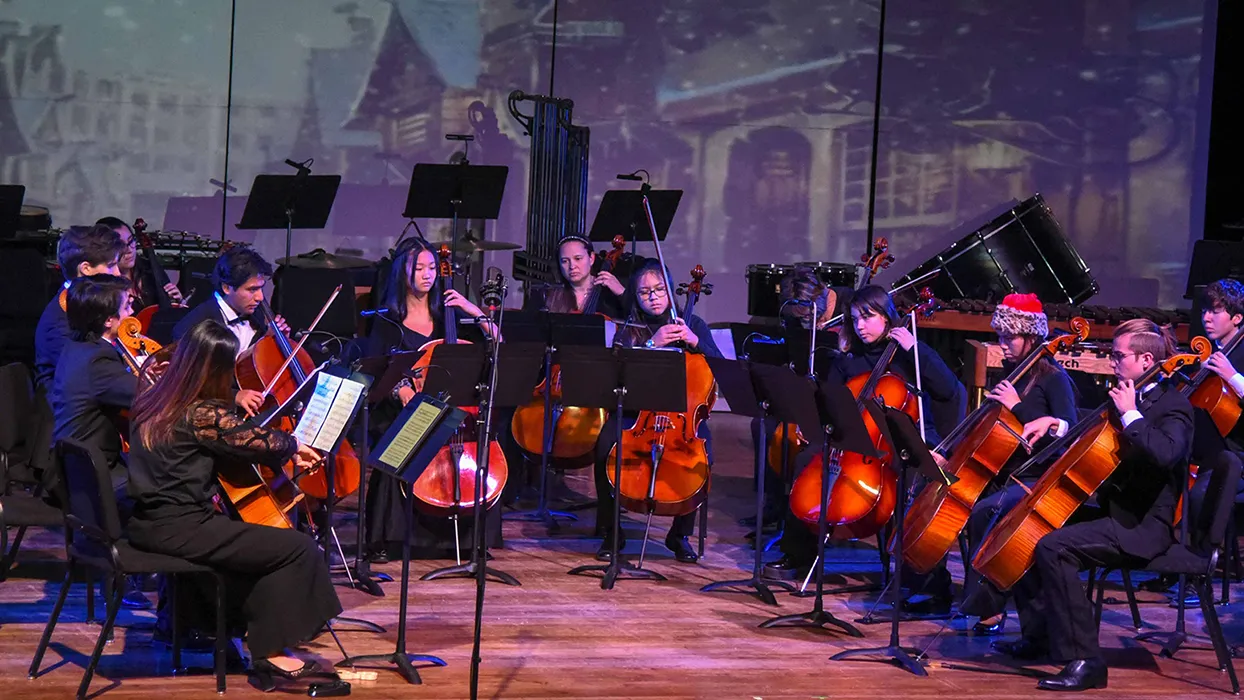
x=1089, y=453
x=981, y=446
x=257, y=494
x=575, y=429
x=863, y=496
x=786, y=438
x=158, y=278
x=447, y=486
x=276, y=368
x=664, y=460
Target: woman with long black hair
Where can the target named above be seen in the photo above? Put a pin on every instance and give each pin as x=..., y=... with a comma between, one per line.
x=185, y=428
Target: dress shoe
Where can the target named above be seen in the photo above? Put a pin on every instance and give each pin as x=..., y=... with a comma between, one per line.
x=605, y=553
x=927, y=605
x=981, y=629
x=378, y=556
x=1023, y=650
x=1081, y=674
x=134, y=598
x=1192, y=599
x=1159, y=584
x=787, y=568
x=682, y=549
x=264, y=674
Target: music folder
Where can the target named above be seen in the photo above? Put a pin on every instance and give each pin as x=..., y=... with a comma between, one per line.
x=412, y=441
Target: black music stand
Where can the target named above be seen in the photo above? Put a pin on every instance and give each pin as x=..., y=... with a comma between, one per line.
x=558, y=333
x=899, y=430
x=11, y=197
x=622, y=213
x=759, y=391
x=289, y=202
x=456, y=191
x=465, y=380
x=840, y=420
x=405, y=451
x=388, y=369
x=623, y=379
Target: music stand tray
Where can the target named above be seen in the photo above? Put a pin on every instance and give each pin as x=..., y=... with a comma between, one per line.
x=621, y=213
x=477, y=191
x=273, y=197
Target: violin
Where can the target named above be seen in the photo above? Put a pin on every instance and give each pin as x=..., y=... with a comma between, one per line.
x=787, y=439
x=980, y=447
x=575, y=429
x=865, y=491
x=1089, y=454
x=158, y=278
x=664, y=461
x=274, y=367
x=447, y=487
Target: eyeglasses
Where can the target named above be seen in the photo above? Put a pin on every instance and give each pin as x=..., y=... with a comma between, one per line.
x=651, y=291
x=1116, y=357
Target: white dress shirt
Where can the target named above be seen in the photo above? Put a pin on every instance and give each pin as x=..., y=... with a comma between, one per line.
x=242, y=329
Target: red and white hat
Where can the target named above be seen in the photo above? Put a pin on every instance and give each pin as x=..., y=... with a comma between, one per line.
x=1020, y=314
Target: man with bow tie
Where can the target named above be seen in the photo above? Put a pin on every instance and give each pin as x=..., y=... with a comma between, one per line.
x=1134, y=518
x=239, y=278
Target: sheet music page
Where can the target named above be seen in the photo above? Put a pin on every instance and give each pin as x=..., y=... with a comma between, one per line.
x=309, y=426
x=410, y=436
x=334, y=423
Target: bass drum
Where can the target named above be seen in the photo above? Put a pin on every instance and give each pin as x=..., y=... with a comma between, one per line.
x=764, y=288
x=1024, y=250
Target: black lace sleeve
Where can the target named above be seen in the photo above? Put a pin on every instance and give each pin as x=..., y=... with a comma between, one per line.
x=221, y=431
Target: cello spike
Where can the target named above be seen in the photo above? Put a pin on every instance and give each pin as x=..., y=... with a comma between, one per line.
x=643, y=546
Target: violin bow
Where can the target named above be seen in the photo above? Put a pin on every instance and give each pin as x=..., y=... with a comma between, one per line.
x=323, y=309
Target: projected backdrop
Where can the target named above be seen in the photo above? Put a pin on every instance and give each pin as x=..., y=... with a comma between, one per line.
x=760, y=110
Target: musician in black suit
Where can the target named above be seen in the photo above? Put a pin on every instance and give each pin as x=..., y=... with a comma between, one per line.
x=1137, y=509
x=1222, y=314
x=239, y=278
x=92, y=385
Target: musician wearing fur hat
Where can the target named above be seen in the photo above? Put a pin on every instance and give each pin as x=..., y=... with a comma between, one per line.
x=1044, y=400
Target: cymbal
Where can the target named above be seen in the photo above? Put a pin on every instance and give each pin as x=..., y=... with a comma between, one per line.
x=471, y=245
x=320, y=259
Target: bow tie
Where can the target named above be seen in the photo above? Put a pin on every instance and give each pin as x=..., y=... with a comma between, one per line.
x=240, y=320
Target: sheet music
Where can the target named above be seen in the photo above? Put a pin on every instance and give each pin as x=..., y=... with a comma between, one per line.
x=328, y=411
x=411, y=435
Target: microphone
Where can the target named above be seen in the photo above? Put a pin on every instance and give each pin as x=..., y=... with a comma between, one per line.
x=493, y=292
x=300, y=167
x=632, y=177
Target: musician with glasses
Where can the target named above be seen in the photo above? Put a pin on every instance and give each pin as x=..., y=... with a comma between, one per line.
x=651, y=326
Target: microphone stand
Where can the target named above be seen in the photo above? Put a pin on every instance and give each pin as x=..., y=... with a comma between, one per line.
x=481, y=479
x=300, y=179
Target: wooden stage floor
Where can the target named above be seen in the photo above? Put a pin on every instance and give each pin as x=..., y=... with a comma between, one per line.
x=559, y=636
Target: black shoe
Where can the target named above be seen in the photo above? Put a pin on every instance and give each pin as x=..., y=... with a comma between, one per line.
x=1081, y=674
x=1192, y=600
x=1161, y=584
x=1023, y=650
x=787, y=568
x=682, y=549
x=264, y=674
x=927, y=605
x=980, y=629
x=605, y=553
x=134, y=599
x=378, y=556
x=151, y=583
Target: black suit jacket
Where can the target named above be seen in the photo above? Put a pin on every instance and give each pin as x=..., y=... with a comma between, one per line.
x=1140, y=495
x=1235, y=438
x=51, y=334
x=92, y=386
x=210, y=308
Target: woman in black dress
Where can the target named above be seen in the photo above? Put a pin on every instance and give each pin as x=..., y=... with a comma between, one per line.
x=184, y=429
x=413, y=316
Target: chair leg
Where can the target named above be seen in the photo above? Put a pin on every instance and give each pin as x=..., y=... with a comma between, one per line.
x=90, y=597
x=1097, y=605
x=1131, y=598
x=51, y=623
x=221, y=639
x=1092, y=580
x=114, y=604
x=1214, y=627
x=10, y=553
x=704, y=526
x=174, y=614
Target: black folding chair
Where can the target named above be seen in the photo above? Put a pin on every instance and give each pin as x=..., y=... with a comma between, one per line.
x=93, y=539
